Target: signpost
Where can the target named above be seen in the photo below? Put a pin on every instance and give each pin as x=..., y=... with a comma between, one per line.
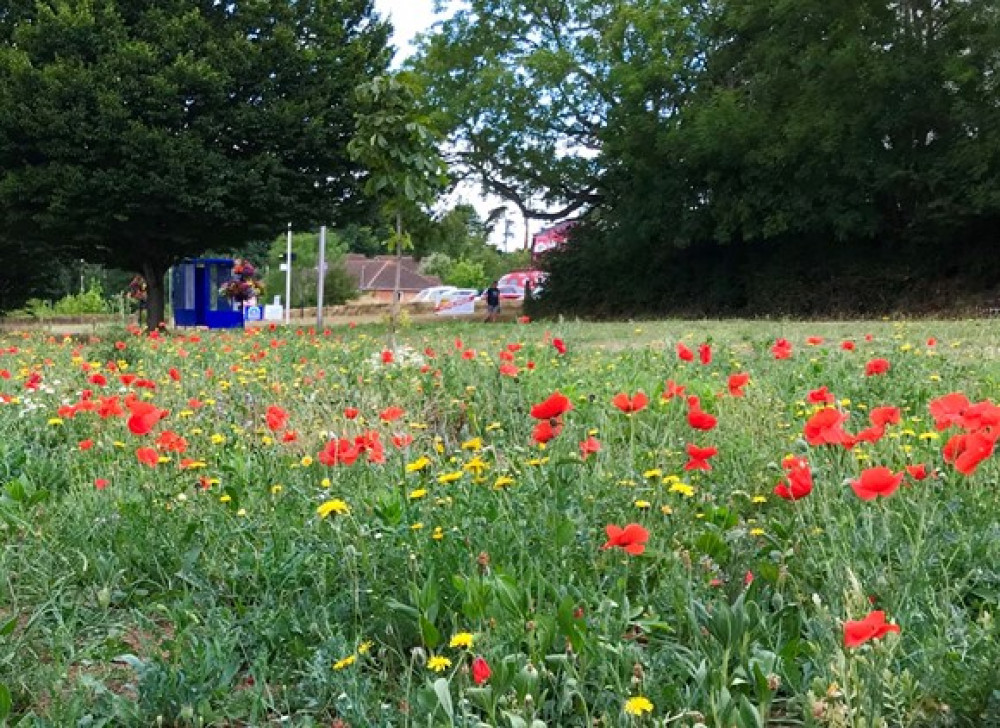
x=321, y=272
x=288, y=277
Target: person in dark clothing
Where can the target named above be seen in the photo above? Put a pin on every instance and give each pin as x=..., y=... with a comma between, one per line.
x=492, y=302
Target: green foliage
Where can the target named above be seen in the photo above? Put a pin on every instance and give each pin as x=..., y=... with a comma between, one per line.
x=138, y=134
x=466, y=274
x=338, y=286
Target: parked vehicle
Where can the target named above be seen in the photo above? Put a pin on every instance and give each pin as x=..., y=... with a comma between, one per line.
x=458, y=295
x=507, y=293
x=433, y=294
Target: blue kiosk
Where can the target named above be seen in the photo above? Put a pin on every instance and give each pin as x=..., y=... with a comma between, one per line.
x=195, y=294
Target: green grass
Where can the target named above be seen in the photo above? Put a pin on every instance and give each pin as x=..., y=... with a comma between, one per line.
x=215, y=594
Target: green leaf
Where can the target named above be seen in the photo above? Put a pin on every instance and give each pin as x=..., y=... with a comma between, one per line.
x=443, y=692
x=5, y=702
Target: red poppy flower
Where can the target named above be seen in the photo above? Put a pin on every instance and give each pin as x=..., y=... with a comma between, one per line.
x=169, y=441
x=632, y=538
x=147, y=456
x=277, y=418
x=980, y=415
x=85, y=445
x=847, y=345
x=626, y=404
x=826, y=427
x=524, y=319
x=698, y=457
x=351, y=412
x=684, y=353
x=782, y=349
x=948, y=410
x=401, y=441
x=673, y=390
x=703, y=421
x=814, y=340
x=875, y=482
x=469, y=354
x=966, y=452
x=737, y=382
x=559, y=345
x=509, y=370
x=370, y=443
x=556, y=405
x=869, y=434
x=876, y=366
x=391, y=414
x=705, y=354
x=917, y=472
x=99, y=379
x=338, y=451
x=480, y=668
x=932, y=342
x=174, y=374
x=821, y=396
x=798, y=481
x=883, y=416
x=101, y=483
x=290, y=436
x=589, y=447
x=545, y=431
x=873, y=626
x=144, y=416
x=387, y=357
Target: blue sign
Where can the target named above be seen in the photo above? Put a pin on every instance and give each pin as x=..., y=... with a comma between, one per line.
x=253, y=313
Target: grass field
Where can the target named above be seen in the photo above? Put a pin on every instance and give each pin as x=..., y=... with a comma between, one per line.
x=283, y=527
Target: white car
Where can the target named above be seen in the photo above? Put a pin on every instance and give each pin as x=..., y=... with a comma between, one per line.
x=433, y=295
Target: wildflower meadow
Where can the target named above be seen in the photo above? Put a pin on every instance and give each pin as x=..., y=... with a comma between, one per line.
x=527, y=524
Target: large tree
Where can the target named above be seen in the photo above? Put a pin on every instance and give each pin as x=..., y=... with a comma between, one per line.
x=139, y=132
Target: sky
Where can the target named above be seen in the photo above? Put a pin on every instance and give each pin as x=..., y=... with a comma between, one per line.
x=410, y=17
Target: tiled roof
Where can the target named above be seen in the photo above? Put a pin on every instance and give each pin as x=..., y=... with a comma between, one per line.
x=379, y=273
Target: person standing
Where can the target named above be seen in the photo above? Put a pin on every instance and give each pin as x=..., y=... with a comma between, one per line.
x=492, y=302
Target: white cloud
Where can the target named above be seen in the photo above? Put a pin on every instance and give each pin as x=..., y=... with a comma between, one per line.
x=408, y=17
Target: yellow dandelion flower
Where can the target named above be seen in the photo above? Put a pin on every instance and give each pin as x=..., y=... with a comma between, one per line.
x=475, y=444
x=451, y=477
x=346, y=662
x=416, y=526
x=55, y=421
x=666, y=510
x=225, y=498
x=476, y=465
x=437, y=663
x=306, y=461
x=275, y=489
x=538, y=461
x=493, y=426
x=683, y=488
x=462, y=640
x=654, y=473
x=364, y=647
x=638, y=706
x=438, y=533
x=935, y=377
x=643, y=504
x=241, y=512
x=267, y=440
x=325, y=483
x=758, y=499
x=503, y=481
x=336, y=505
x=417, y=494
x=929, y=436
x=419, y=464
x=756, y=531
x=218, y=439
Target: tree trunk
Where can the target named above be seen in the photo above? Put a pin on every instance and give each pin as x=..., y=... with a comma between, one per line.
x=155, y=294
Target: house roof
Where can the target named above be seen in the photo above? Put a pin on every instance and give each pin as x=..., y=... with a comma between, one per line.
x=379, y=273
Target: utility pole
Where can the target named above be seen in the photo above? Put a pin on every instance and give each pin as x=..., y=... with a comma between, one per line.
x=288, y=277
x=322, y=277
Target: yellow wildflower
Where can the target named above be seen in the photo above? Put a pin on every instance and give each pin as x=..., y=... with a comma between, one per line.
x=419, y=464
x=683, y=488
x=417, y=494
x=336, y=505
x=449, y=477
x=438, y=663
x=638, y=706
x=475, y=444
x=346, y=662
x=462, y=640
x=643, y=504
x=503, y=481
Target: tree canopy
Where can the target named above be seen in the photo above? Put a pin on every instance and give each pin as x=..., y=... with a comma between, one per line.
x=137, y=133
x=719, y=152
